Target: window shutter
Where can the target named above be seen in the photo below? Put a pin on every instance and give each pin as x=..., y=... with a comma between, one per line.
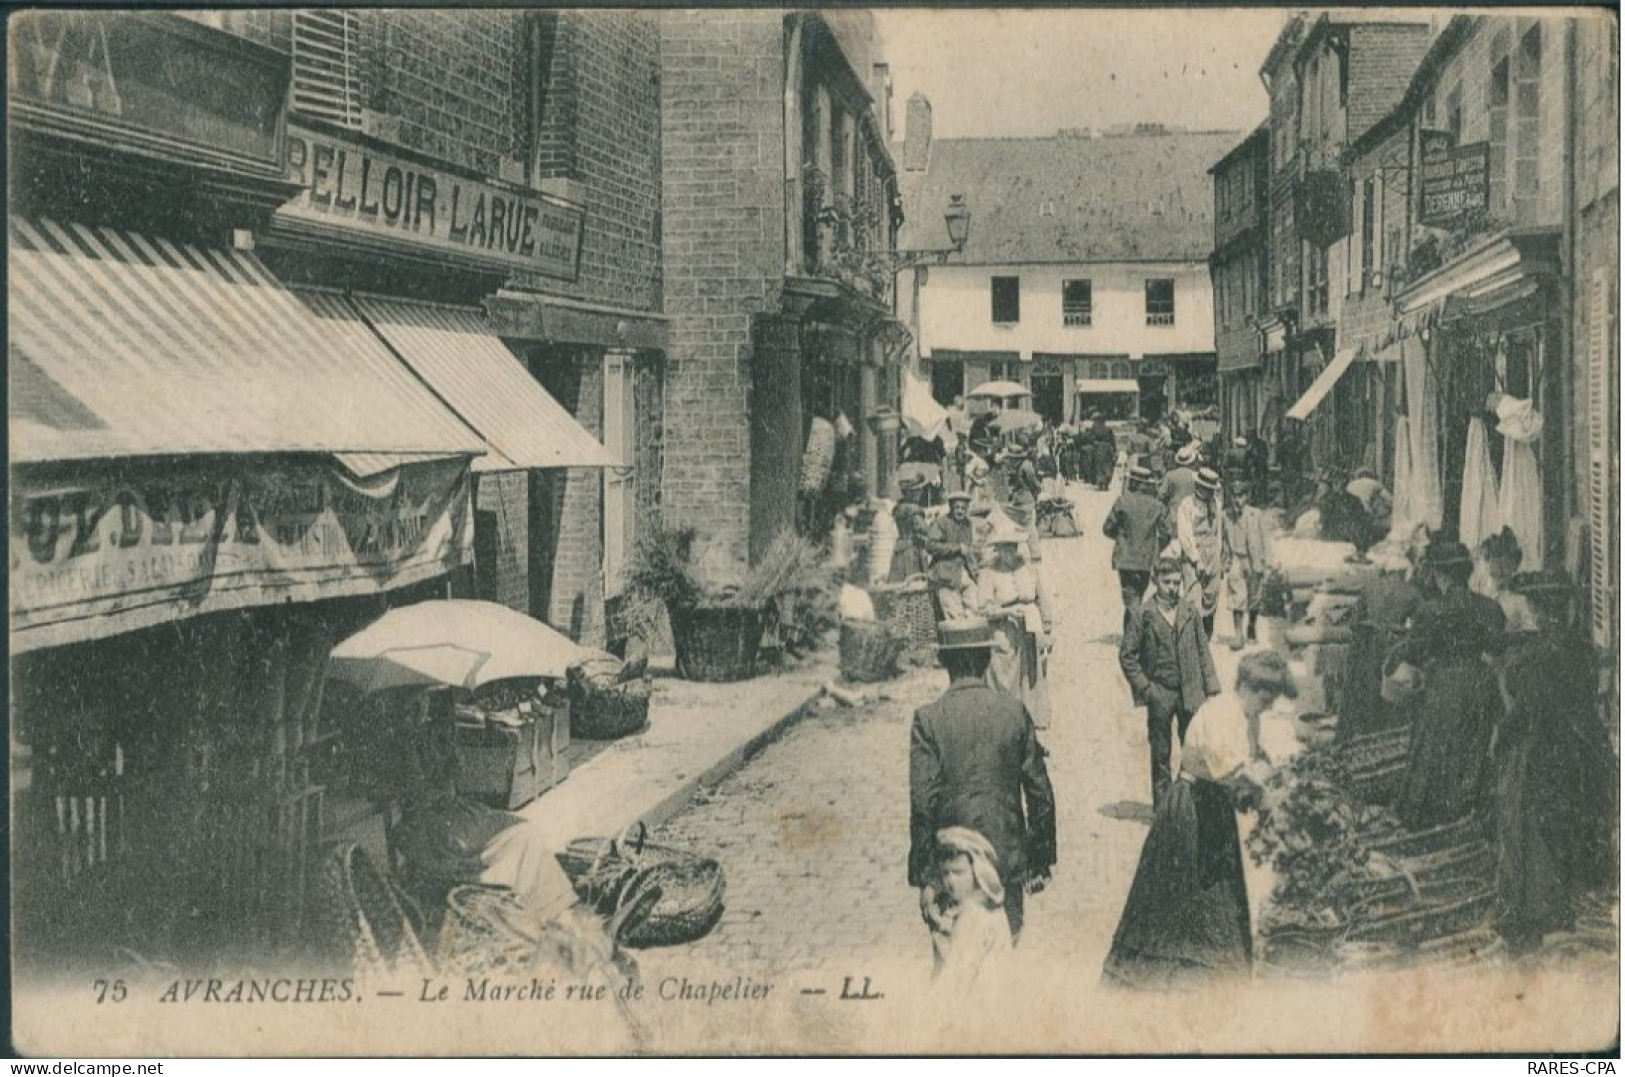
x=326, y=65
x=618, y=488
x=1378, y=229
x=1601, y=450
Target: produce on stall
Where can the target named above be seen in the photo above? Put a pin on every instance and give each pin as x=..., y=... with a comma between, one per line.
x=1354, y=889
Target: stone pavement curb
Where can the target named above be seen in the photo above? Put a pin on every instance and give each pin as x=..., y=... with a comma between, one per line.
x=729, y=764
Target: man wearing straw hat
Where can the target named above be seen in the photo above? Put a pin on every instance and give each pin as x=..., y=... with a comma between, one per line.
x=1180, y=482
x=1199, y=533
x=975, y=761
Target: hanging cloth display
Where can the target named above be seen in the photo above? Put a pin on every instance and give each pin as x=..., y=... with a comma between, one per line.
x=1404, y=519
x=1520, y=495
x=1480, y=502
x=1427, y=494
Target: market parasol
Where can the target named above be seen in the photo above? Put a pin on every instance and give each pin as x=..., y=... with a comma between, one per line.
x=457, y=643
x=998, y=390
x=1015, y=419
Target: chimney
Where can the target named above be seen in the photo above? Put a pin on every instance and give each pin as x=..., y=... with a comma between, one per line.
x=917, y=134
x=880, y=90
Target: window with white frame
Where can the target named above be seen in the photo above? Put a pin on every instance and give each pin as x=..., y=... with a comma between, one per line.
x=1077, y=302
x=1159, y=301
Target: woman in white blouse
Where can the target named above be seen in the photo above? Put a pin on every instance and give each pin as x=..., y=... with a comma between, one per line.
x=1186, y=920
x=1011, y=596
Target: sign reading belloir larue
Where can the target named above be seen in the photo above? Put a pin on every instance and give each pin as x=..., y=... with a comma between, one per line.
x=354, y=186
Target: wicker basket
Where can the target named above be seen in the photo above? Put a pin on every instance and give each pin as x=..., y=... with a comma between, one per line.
x=869, y=651
x=910, y=609
x=605, y=710
x=612, y=873
x=363, y=921
x=486, y=930
x=717, y=643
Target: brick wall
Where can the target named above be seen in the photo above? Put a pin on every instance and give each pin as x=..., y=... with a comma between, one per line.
x=600, y=129
x=451, y=77
x=722, y=102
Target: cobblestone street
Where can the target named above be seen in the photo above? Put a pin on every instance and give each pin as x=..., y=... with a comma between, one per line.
x=813, y=833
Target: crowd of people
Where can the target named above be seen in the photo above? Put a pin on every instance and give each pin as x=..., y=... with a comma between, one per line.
x=1503, y=723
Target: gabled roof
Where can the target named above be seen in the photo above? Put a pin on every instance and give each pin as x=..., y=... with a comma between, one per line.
x=1072, y=198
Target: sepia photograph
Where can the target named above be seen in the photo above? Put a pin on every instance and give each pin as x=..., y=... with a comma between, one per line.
x=758, y=531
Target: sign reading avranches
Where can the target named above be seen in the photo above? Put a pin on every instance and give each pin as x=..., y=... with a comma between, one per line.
x=351, y=185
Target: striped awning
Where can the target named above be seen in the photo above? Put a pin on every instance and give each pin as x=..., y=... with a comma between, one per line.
x=124, y=345
x=486, y=385
x=1322, y=385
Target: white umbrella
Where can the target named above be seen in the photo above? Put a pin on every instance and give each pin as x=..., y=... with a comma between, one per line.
x=999, y=390
x=458, y=643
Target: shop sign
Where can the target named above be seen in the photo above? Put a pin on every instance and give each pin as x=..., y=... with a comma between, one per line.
x=1455, y=179
x=89, y=559
x=358, y=188
x=154, y=73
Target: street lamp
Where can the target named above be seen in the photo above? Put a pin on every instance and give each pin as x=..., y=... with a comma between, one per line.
x=958, y=221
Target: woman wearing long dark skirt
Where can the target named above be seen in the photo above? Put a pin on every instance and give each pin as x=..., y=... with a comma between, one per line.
x=1447, y=774
x=1186, y=921
x=1557, y=774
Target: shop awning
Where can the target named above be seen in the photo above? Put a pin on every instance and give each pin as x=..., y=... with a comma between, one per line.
x=486, y=385
x=1108, y=385
x=124, y=345
x=1322, y=385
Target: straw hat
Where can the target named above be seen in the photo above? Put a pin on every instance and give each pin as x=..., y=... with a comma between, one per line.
x=964, y=634
x=1187, y=454
x=958, y=495
x=1207, y=479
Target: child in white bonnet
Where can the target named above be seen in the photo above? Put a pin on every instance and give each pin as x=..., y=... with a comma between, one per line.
x=969, y=931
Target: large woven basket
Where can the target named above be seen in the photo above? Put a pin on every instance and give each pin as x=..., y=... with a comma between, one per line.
x=716, y=643
x=603, y=709
x=869, y=651
x=911, y=609
x=610, y=874
x=1377, y=763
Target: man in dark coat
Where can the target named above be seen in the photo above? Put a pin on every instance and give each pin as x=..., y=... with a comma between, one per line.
x=1137, y=523
x=974, y=761
x=950, y=542
x=1164, y=654
x=1103, y=444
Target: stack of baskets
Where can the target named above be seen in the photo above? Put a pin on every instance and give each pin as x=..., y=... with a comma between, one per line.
x=610, y=874
x=869, y=651
x=1376, y=764
x=1436, y=906
x=910, y=609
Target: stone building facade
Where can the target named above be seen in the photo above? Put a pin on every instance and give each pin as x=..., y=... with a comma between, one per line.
x=780, y=208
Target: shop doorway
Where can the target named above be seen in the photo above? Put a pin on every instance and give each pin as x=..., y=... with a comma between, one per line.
x=947, y=381
x=1153, y=397
x=1049, y=397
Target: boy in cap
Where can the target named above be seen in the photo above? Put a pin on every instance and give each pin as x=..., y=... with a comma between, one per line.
x=1164, y=655
x=1136, y=524
x=975, y=762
